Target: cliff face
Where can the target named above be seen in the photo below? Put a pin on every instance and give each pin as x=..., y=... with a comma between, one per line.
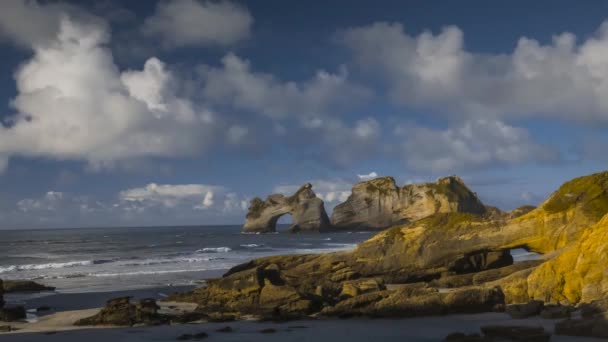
x=306, y=209
x=380, y=203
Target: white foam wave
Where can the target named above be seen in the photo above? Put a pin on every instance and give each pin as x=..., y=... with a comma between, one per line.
x=251, y=245
x=214, y=250
x=151, y=272
x=53, y=265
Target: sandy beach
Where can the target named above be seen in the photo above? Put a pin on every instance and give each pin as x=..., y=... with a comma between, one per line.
x=57, y=323
x=413, y=329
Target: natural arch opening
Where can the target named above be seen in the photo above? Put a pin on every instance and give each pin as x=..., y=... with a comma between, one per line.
x=283, y=222
x=522, y=253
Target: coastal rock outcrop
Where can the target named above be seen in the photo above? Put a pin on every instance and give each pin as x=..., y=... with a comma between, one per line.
x=24, y=286
x=399, y=271
x=379, y=203
x=306, y=209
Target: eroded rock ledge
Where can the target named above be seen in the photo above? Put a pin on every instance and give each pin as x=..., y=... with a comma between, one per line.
x=306, y=209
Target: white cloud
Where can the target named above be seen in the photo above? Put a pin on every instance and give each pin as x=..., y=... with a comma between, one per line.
x=368, y=176
x=180, y=23
x=235, y=84
x=562, y=79
x=74, y=103
x=470, y=145
x=198, y=196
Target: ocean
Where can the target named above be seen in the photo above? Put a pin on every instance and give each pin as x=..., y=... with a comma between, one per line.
x=111, y=259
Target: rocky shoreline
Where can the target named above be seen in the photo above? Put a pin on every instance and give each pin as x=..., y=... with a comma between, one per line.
x=451, y=261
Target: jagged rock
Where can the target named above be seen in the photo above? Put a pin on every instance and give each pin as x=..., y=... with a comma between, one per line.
x=120, y=311
x=24, y=286
x=306, y=209
x=380, y=203
x=516, y=333
x=12, y=314
x=587, y=327
x=532, y=308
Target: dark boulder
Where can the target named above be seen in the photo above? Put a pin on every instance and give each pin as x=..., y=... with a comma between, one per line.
x=553, y=311
x=120, y=311
x=25, y=286
x=532, y=308
x=12, y=314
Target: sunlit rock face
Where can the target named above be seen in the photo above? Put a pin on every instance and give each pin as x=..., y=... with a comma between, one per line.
x=306, y=209
x=380, y=203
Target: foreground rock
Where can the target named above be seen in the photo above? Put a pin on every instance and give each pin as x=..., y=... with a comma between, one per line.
x=588, y=327
x=120, y=311
x=380, y=203
x=306, y=209
x=12, y=313
x=25, y=286
x=533, y=308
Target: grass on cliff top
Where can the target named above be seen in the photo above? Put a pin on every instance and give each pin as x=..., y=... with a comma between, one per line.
x=382, y=185
x=256, y=207
x=589, y=191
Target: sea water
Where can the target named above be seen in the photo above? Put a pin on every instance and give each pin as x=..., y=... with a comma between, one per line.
x=108, y=259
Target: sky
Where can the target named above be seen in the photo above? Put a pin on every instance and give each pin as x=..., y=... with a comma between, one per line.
x=135, y=113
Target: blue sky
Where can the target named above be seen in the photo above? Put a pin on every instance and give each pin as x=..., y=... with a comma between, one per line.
x=179, y=112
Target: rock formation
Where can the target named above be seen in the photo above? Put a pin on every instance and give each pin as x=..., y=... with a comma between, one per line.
x=399, y=271
x=379, y=203
x=120, y=311
x=306, y=209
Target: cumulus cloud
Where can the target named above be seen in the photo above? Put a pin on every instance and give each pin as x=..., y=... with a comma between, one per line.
x=74, y=103
x=182, y=23
x=199, y=196
x=235, y=84
x=27, y=23
x=368, y=176
x=563, y=79
x=472, y=144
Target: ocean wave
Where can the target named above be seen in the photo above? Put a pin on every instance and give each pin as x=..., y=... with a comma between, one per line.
x=151, y=272
x=214, y=250
x=162, y=261
x=252, y=245
x=53, y=265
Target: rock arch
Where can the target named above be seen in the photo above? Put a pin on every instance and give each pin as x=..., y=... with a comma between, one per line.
x=306, y=209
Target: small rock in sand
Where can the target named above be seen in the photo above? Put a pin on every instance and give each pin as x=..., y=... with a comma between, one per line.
x=516, y=333
x=195, y=337
x=225, y=329
x=268, y=331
